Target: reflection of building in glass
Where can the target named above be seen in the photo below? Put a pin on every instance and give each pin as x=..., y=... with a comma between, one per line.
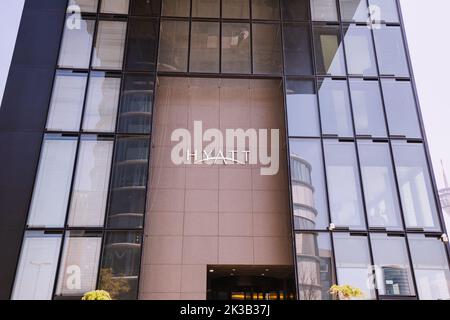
x=395, y=280
x=313, y=263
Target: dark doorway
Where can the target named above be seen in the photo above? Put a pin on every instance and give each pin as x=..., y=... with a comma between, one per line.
x=250, y=282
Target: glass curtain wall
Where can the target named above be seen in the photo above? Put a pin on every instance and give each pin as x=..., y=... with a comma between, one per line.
x=360, y=180
x=85, y=225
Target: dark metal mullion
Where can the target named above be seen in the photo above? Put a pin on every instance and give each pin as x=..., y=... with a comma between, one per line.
x=288, y=164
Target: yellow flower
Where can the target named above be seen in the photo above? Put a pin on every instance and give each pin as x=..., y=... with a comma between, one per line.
x=96, y=295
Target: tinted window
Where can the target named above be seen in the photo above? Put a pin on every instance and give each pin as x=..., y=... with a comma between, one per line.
x=359, y=51
x=297, y=49
x=173, y=46
x=236, y=48
x=329, y=50
x=141, y=45
x=267, y=57
x=354, y=10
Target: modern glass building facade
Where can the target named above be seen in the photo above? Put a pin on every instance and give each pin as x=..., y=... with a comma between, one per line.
x=94, y=203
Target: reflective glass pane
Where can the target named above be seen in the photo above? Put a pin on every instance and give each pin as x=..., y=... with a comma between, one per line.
x=295, y=10
x=236, y=48
x=130, y=167
x=308, y=185
x=79, y=263
x=329, y=50
x=392, y=269
x=88, y=203
x=353, y=263
x=205, y=50
x=367, y=108
x=67, y=101
x=430, y=267
x=54, y=177
x=380, y=191
x=173, y=46
x=384, y=10
x=145, y=8
x=121, y=258
x=109, y=46
x=297, y=49
x=391, y=51
x=302, y=109
x=115, y=6
x=415, y=186
x=206, y=8
x=314, y=266
x=323, y=10
x=136, y=105
x=101, y=103
x=176, y=8
x=344, y=188
x=141, y=45
x=36, y=271
x=266, y=9
x=235, y=9
x=88, y=6
x=267, y=49
x=335, y=112
x=359, y=51
x=401, y=108
x=354, y=10
x=76, y=45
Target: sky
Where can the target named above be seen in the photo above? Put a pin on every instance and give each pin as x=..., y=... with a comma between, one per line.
x=427, y=32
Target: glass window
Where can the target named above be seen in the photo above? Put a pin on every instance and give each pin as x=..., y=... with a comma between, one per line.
x=67, y=101
x=353, y=263
x=297, y=49
x=136, y=106
x=267, y=49
x=206, y=8
x=359, y=51
x=235, y=9
x=101, y=103
x=54, y=177
x=295, y=10
x=390, y=51
x=415, y=186
x=308, y=185
x=266, y=9
x=88, y=204
x=344, y=188
x=145, y=8
x=115, y=6
x=430, y=267
x=141, y=45
x=127, y=199
x=401, y=108
x=314, y=266
x=334, y=108
x=205, y=51
x=324, y=10
x=302, y=109
x=173, y=46
x=367, y=108
x=236, y=48
x=384, y=10
x=109, y=46
x=37, y=266
x=354, y=10
x=380, y=192
x=76, y=45
x=88, y=6
x=329, y=51
x=392, y=269
x=120, y=264
x=79, y=263
x=176, y=8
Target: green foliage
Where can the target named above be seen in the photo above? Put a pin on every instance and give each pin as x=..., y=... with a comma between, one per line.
x=96, y=295
x=345, y=292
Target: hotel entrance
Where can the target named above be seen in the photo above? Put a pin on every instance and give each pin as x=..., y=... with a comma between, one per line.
x=250, y=283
